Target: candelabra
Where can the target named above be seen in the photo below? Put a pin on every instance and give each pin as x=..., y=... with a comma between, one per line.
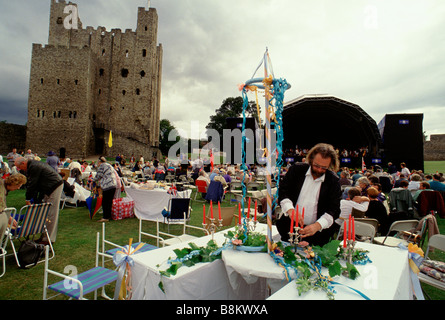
x=348, y=251
x=294, y=237
x=213, y=226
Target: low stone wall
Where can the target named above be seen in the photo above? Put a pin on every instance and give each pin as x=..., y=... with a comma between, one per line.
x=434, y=150
x=12, y=136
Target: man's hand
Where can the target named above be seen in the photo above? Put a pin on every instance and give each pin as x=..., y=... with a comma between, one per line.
x=310, y=230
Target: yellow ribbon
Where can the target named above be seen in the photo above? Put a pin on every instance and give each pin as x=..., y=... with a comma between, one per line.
x=414, y=249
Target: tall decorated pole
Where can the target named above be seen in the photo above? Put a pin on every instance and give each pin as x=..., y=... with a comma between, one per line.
x=274, y=96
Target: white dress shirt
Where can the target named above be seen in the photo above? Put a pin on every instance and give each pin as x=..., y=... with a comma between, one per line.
x=308, y=199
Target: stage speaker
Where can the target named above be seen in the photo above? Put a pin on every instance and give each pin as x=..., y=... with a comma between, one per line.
x=402, y=137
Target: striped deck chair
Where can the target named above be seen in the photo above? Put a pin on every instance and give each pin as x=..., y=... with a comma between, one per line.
x=31, y=221
x=76, y=287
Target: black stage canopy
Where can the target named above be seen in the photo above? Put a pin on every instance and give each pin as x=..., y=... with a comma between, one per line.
x=311, y=119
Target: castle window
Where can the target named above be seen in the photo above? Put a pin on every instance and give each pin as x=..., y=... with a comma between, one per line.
x=58, y=81
x=59, y=20
x=103, y=52
x=70, y=115
x=38, y=113
x=101, y=72
x=59, y=114
x=41, y=80
x=124, y=92
x=74, y=114
x=54, y=114
x=126, y=54
x=76, y=82
x=124, y=73
x=146, y=28
x=142, y=73
x=138, y=91
x=100, y=91
x=123, y=107
x=144, y=52
x=43, y=113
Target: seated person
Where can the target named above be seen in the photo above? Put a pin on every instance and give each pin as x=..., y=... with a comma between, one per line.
x=376, y=210
x=354, y=201
x=424, y=186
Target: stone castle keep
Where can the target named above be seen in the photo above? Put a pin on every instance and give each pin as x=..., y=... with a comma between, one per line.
x=87, y=82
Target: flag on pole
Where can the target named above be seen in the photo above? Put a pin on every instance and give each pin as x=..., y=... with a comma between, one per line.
x=363, y=165
x=110, y=140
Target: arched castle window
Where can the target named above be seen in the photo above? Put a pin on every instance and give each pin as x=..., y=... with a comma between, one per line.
x=101, y=72
x=144, y=52
x=138, y=91
x=142, y=73
x=103, y=52
x=124, y=73
x=124, y=92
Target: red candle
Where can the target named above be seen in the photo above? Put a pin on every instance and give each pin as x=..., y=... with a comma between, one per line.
x=219, y=210
x=297, y=217
x=256, y=208
x=349, y=228
x=292, y=222
x=344, y=233
x=239, y=213
x=302, y=218
x=211, y=210
x=248, y=207
x=353, y=229
x=204, y=214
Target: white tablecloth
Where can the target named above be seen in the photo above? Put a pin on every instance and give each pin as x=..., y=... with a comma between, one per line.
x=203, y=281
x=148, y=204
x=386, y=278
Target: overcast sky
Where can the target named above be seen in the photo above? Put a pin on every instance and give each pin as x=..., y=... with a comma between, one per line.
x=387, y=56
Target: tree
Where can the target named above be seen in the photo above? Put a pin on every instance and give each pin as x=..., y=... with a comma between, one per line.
x=230, y=108
x=164, y=131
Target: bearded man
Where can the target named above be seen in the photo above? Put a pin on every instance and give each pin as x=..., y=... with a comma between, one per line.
x=313, y=186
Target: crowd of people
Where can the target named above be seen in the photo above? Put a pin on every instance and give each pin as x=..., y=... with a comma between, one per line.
x=318, y=168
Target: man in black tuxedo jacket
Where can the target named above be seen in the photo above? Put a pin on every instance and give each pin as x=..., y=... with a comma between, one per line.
x=315, y=187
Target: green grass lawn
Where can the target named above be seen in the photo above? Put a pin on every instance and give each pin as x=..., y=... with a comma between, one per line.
x=76, y=242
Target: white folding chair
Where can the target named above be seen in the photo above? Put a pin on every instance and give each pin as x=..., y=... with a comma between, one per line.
x=436, y=241
x=8, y=212
x=79, y=285
x=399, y=227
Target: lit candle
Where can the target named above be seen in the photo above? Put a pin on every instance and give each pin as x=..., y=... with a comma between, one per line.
x=256, y=208
x=292, y=222
x=219, y=210
x=204, y=214
x=344, y=233
x=353, y=229
x=239, y=213
x=211, y=210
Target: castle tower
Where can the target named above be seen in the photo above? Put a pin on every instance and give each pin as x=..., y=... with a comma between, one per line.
x=88, y=82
